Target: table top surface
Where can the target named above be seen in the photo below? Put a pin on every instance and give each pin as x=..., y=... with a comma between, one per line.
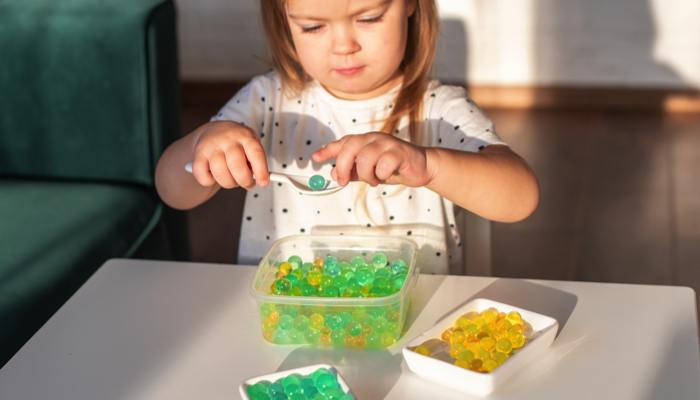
x=174, y=330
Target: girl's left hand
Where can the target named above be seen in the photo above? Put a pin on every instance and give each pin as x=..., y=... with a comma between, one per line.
x=376, y=158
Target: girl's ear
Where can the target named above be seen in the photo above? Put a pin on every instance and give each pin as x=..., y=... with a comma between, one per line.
x=411, y=7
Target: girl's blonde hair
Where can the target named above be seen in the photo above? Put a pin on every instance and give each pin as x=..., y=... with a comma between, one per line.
x=423, y=30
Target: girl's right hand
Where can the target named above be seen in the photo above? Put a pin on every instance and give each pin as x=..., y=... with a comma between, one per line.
x=225, y=152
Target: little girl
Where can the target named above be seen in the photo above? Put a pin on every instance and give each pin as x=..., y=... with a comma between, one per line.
x=350, y=98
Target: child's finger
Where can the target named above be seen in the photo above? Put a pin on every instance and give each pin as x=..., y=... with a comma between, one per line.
x=238, y=167
x=255, y=154
x=200, y=171
x=366, y=162
x=387, y=165
x=220, y=170
x=345, y=159
x=329, y=151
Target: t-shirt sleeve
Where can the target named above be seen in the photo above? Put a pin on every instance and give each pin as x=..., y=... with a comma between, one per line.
x=247, y=107
x=459, y=123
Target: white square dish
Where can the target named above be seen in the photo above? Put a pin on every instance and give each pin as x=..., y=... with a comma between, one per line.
x=308, y=370
x=544, y=329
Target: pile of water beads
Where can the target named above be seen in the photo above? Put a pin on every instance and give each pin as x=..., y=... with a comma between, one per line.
x=322, y=384
x=327, y=277
x=482, y=341
x=353, y=325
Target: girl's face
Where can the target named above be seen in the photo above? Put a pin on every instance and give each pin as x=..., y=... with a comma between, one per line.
x=353, y=47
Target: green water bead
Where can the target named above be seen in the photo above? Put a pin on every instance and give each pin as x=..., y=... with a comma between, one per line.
x=298, y=273
x=398, y=281
x=293, y=279
x=280, y=336
x=296, y=261
x=317, y=182
x=312, y=335
x=266, y=309
x=333, y=268
x=338, y=337
x=297, y=396
x=333, y=393
x=301, y=323
x=316, y=321
x=380, y=282
x=275, y=388
x=283, y=285
x=326, y=381
x=354, y=285
x=286, y=322
x=379, y=260
x=306, y=267
x=331, y=291
x=365, y=276
x=317, y=374
x=326, y=280
x=307, y=289
x=340, y=282
x=330, y=259
x=396, y=266
x=358, y=262
x=345, y=318
x=380, y=325
x=354, y=329
x=382, y=273
x=334, y=322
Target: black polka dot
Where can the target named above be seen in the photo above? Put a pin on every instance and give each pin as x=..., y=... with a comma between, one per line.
x=299, y=101
x=329, y=122
x=439, y=140
x=280, y=142
x=270, y=108
x=238, y=101
x=301, y=158
x=284, y=165
x=221, y=114
x=354, y=120
x=437, y=254
x=277, y=124
x=397, y=131
x=318, y=212
x=459, y=244
x=308, y=142
x=383, y=193
x=268, y=238
x=255, y=195
x=391, y=217
x=263, y=124
x=452, y=225
x=279, y=183
x=349, y=209
x=368, y=225
x=242, y=123
x=302, y=230
x=410, y=197
x=456, y=127
x=262, y=134
x=248, y=218
x=462, y=141
x=391, y=105
x=284, y=210
x=262, y=98
x=471, y=111
x=409, y=232
x=428, y=210
x=481, y=147
x=488, y=130
x=432, y=94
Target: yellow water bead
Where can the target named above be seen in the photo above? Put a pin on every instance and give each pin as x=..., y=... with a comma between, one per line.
x=466, y=355
x=489, y=365
x=517, y=339
x=504, y=345
x=488, y=343
x=461, y=322
x=514, y=317
x=463, y=364
x=472, y=328
x=499, y=357
x=483, y=354
x=285, y=267
x=457, y=337
x=318, y=261
x=488, y=327
x=422, y=350
x=503, y=325
x=482, y=335
x=474, y=347
x=455, y=349
x=478, y=321
x=490, y=315
x=471, y=315
x=499, y=335
x=445, y=337
x=471, y=338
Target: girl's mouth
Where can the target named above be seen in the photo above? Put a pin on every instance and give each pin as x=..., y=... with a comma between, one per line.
x=349, y=71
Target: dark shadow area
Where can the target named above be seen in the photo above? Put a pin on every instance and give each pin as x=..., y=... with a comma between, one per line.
x=451, y=54
x=370, y=373
x=420, y=297
x=530, y=296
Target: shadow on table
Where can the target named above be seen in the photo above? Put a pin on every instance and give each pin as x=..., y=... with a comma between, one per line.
x=370, y=373
x=530, y=296
x=420, y=297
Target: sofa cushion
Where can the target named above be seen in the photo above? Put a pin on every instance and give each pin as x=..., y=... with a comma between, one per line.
x=53, y=236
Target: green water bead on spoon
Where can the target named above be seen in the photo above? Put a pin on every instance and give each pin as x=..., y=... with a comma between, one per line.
x=317, y=182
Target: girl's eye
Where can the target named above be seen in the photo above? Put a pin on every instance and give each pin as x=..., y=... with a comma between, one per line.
x=311, y=29
x=370, y=20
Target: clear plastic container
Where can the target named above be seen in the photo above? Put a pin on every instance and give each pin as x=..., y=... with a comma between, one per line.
x=303, y=372
x=380, y=319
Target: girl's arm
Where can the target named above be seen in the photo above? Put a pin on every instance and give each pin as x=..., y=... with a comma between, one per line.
x=494, y=183
x=221, y=153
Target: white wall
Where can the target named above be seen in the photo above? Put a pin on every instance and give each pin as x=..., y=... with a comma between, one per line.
x=630, y=43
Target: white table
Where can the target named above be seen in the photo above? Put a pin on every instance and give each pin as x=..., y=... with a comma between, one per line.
x=168, y=330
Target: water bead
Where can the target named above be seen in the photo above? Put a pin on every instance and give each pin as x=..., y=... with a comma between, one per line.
x=292, y=278
x=334, y=322
x=334, y=394
x=345, y=318
x=365, y=276
x=463, y=364
x=275, y=388
x=373, y=339
x=474, y=347
x=504, y=345
x=317, y=268
x=396, y=266
x=514, y=318
x=331, y=291
x=380, y=283
x=286, y=322
x=380, y=325
x=387, y=339
x=266, y=309
x=274, y=316
x=281, y=336
x=301, y=323
x=488, y=343
x=340, y=282
x=333, y=269
x=317, y=396
x=470, y=338
x=292, y=379
x=379, y=260
x=383, y=273
x=298, y=396
x=478, y=321
x=446, y=335
x=253, y=390
x=307, y=289
x=317, y=374
x=489, y=365
x=298, y=273
x=457, y=337
x=422, y=350
x=290, y=310
x=482, y=335
x=503, y=325
x=476, y=364
x=338, y=337
x=347, y=272
x=489, y=327
x=325, y=382
x=283, y=285
x=500, y=358
x=306, y=267
x=393, y=316
x=399, y=280
x=314, y=277
x=466, y=354
x=461, y=322
x=316, y=321
x=317, y=182
x=285, y=268
x=354, y=285
x=311, y=335
x=358, y=262
x=330, y=259
x=455, y=349
x=498, y=335
x=489, y=315
x=517, y=339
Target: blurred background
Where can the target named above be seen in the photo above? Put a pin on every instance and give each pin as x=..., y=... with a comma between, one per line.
x=602, y=98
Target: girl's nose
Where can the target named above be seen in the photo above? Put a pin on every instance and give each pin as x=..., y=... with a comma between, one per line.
x=344, y=42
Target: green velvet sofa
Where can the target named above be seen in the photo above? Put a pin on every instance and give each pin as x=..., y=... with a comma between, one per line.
x=89, y=98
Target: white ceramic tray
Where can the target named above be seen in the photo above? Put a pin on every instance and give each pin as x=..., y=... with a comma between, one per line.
x=544, y=329
x=303, y=371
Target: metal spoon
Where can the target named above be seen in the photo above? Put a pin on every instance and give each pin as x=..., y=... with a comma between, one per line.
x=298, y=182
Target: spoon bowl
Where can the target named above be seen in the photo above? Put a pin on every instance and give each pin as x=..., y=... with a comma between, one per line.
x=297, y=182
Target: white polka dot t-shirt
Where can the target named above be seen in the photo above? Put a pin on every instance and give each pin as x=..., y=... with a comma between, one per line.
x=291, y=129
